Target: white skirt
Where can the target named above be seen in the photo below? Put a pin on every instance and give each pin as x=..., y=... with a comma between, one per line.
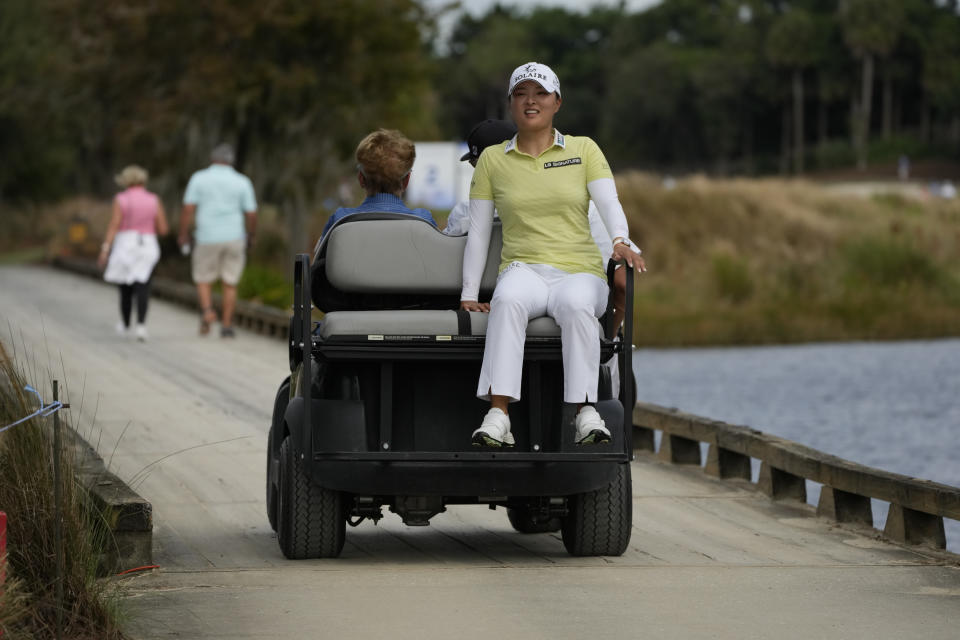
x=132, y=258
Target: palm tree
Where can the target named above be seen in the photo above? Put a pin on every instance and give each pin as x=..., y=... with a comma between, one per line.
x=791, y=44
x=870, y=29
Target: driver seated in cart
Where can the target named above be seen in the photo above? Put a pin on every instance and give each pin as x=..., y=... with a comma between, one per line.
x=384, y=161
x=540, y=182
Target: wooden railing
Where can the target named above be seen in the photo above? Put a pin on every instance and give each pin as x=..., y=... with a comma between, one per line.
x=917, y=507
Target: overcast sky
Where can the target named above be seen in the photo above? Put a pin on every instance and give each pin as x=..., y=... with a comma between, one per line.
x=480, y=7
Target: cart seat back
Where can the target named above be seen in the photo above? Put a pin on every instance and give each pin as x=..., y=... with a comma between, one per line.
x=392, y=261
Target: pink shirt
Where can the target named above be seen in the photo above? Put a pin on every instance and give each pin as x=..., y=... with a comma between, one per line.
x=139, y=208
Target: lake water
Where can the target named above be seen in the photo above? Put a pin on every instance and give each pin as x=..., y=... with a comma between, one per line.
x=892, y=405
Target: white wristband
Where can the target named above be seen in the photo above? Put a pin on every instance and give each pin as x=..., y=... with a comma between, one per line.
x=628, y=244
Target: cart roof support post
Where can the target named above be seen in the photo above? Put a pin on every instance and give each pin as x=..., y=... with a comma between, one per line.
x=626, y=365
x=303, y=330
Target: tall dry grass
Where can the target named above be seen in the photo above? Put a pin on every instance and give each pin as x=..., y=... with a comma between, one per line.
x=759, y=261
x=28, y=603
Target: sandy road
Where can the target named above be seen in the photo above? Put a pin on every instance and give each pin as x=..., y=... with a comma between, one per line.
x=707, y=560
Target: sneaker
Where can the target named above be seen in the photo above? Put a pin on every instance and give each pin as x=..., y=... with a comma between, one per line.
x=227, y=332
x=141, y=332
x=590, y=427
x=122, y=330
x=494, y=431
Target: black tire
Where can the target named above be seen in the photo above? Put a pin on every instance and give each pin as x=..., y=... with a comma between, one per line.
x=599, y=522
x=523, y=522
x=280, y=403
x=272, y=489
x=311, y=519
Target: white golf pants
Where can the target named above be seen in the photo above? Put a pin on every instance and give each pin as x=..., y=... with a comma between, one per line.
x=524, y=292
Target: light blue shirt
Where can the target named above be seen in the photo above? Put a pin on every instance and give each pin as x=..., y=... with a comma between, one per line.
x=222, y=196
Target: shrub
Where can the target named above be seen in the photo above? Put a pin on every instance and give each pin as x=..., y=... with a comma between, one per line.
x=889, y=263
x=265, y=285
x=731, y=278
x=898, y=203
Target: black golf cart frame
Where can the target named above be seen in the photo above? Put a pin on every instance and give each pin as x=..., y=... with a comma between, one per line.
x=361, y=433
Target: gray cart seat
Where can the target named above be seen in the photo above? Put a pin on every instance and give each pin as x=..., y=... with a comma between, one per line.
x=381, y=325
x=412, y=266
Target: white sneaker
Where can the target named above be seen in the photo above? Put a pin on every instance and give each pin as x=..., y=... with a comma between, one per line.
x=494, y=431
x=141, y=332
x=122, y=330
x=590, y=427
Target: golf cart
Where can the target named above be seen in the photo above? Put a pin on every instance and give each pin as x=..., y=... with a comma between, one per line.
x=381, y=402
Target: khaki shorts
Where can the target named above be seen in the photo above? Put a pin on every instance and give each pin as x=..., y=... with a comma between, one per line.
x=219, y=261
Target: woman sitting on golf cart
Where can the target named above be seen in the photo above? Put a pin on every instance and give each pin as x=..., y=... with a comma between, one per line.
x=384, y=161
x=541, y=182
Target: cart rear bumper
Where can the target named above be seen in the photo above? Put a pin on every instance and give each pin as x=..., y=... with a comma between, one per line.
x=471, y=477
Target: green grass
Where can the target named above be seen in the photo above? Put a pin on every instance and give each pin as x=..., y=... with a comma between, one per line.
x=889, y=264
x=731, y=278
x=897, y=203
x=23, y=256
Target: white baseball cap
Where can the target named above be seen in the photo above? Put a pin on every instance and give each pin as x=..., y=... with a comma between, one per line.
x=539, y=73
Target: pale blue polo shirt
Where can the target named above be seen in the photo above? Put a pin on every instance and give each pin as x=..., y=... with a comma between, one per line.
x=222, y=195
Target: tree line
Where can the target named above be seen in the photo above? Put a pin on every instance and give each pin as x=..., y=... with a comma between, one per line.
x=724, y=86
x=731, y=86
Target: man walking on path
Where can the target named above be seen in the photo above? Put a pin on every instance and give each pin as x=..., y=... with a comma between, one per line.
x=222, y=202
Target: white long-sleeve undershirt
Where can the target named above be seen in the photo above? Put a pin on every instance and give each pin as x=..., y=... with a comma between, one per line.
x=475, y=253
x=603, y=192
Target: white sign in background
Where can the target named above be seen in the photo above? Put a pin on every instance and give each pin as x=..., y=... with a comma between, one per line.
x=439, y=179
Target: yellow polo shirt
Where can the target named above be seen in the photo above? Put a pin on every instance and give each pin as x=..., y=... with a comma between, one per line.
x=543, y=201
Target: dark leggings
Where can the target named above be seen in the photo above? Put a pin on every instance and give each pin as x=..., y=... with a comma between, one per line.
x=127, y=291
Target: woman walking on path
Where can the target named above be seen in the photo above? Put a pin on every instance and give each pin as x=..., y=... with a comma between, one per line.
x=130, y=249
x=541, y=182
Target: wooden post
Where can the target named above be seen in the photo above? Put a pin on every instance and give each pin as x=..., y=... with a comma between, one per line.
x=844, y=507
x=3, y=550
x=780, y=485
x=58, y=513
x=3, y=554
x=723, y=463
x=914, y=527
x=679, y=450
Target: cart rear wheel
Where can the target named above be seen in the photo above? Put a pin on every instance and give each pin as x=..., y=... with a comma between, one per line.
x=280, y=403
x=271, y=487
x=311, y=518
x=522, y=520
x=599, y=522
